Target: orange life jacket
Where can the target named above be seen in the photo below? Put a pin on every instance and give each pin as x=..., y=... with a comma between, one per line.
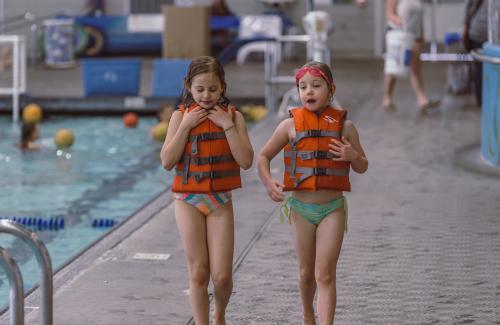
x=207, y=164
x=308, y=163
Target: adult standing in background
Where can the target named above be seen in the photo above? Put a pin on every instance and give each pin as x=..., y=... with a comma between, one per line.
x=474, y=35
x=408, y=15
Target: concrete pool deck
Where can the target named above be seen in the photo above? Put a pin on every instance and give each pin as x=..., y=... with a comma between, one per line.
x=422, y=246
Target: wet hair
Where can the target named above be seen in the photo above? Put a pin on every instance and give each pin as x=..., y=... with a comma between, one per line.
x=200, y=65
x=323, y=67
x=27, y=131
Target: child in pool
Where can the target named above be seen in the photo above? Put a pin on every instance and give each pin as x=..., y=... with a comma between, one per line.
x=163, y=115
x=30, y=132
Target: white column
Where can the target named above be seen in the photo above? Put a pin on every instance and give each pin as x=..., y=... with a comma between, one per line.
x=15, y=80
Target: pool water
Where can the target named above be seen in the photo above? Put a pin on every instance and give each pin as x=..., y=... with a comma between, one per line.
x=110, y=172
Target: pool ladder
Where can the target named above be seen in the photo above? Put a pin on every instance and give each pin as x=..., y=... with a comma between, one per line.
x=15, y=278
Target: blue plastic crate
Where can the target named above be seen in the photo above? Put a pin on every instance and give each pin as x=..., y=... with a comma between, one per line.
x=168, y=77
x=111, y=77
x=452, y=37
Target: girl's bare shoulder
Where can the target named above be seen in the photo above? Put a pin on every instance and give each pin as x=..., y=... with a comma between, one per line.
x=349, y=129
x=287, y=123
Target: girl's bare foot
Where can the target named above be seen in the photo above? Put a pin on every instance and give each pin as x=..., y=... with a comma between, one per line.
x=219, y=321
x=389, y=106
x=308, y=321
x=429, y=106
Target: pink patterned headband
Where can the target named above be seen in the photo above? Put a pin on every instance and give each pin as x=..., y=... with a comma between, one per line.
x=312, y=70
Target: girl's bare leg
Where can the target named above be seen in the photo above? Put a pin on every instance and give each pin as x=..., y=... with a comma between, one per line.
x=329, y=236
x=304, y=237
x=193, y=232
x=220, y=239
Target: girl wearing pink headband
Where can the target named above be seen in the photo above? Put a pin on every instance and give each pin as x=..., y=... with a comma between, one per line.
x=320, y=146
x=314, y=71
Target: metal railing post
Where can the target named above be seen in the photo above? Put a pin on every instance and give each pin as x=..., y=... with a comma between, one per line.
x=15, y=80
x=16, y=305
x=43, y=258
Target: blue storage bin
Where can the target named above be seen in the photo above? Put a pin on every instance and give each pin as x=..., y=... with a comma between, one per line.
x=168, y=77
x=452, y=37
x=111, y=77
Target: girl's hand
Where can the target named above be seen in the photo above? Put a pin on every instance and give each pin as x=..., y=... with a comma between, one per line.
x=342, y=149
x=193, y=118
x=275, y=190
x=220, y=117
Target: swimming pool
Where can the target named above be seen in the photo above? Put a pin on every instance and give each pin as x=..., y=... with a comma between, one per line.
x=109, y=172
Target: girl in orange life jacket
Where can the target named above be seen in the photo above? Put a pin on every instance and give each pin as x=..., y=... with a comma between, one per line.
x=320, y=148
x=207, y=143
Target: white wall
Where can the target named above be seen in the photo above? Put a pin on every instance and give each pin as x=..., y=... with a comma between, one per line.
x=117, y=7
x=353, y=33
x=450, y=17
x=2, y=10
x=42, y=8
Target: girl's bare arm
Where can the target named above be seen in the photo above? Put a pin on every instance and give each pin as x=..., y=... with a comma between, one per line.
x=349, y=148
x=239, y=142
x=273, y=146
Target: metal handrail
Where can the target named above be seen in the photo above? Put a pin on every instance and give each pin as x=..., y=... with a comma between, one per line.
x=18, y=71
x=271, y=77
x=480, y=56
x=31, y=19
x=17, y=22
x=43, y=258
x=16, y=287
x=13, y=19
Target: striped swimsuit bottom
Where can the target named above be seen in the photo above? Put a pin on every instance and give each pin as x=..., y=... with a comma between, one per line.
x=205, y=203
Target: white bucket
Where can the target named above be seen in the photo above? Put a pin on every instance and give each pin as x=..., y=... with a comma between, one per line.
x=398, y=52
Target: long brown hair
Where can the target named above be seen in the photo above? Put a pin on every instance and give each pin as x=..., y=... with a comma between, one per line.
x=27, y=131
x=199, y=65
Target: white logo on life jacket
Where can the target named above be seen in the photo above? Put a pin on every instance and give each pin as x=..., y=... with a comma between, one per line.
x=329, y=119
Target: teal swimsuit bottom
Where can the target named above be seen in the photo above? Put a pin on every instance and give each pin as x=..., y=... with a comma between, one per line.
x=314, y=213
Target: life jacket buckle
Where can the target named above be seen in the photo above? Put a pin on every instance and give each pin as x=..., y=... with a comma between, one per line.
x=305, y=155
x=314, y=133
x=320, y=154
x=204, y=137
x=194, y=145
x=319, y=171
